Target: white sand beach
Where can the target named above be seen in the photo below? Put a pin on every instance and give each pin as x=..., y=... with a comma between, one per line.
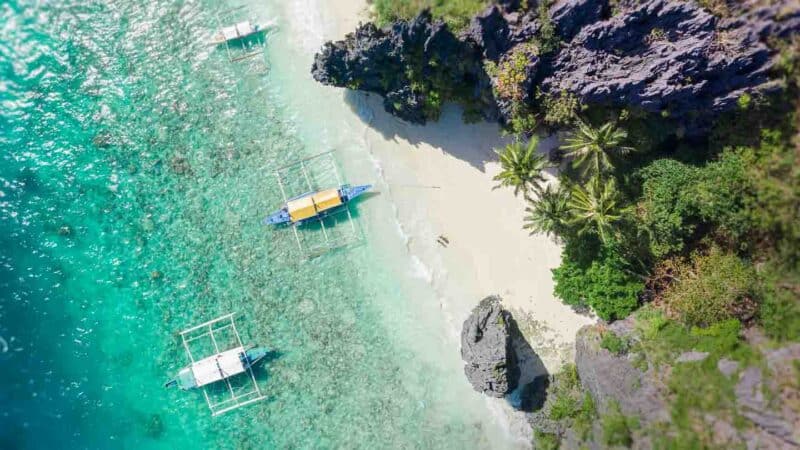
x=440, y=178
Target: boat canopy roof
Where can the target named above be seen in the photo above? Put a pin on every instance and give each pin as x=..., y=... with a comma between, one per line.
x=327, y=199
x=241, y=29
x=218, y=367
x=301, y=208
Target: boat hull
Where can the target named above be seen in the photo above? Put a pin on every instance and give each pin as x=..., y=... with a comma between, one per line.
x=185, y=380
x=346, y=192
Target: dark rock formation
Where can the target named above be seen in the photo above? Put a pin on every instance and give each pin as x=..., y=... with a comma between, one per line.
x=412, y=64
x=670, y=57
x=569, y=16
x=489, y=31
x=486, y=346
x=663, y=56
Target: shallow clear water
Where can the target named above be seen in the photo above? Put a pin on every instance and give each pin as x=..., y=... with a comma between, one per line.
x=136, y=166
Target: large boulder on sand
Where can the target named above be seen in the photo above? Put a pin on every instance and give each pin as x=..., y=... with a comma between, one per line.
x=486, y=347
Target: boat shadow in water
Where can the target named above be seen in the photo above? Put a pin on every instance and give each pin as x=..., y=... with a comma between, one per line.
x=473, y=143
x=530, y=394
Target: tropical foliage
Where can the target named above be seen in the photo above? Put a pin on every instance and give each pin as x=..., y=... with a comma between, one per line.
x=592, y=149
x=595, y=208
x=606, y=283
x=549, y=213
x=457, y=13
x=712, y=288
x=522, y=167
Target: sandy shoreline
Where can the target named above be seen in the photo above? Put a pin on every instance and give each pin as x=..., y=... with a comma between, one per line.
x=437, y=180
x=440, y=178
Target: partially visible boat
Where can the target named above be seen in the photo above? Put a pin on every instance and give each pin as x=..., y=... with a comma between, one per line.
x=313, y=205
x=217, y=367
x=239, y=32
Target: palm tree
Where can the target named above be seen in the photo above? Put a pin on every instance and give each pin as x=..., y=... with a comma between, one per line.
x=522, y=167
x=592, y=148
x=594, y=207
x=549, y=213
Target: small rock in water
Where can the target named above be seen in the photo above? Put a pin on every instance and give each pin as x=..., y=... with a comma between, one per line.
x=156, y=274
x=102, y=139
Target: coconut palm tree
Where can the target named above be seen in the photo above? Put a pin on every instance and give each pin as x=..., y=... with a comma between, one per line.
x=549, y=213
x=592, y=148
x=522, y=167
x=595, y=207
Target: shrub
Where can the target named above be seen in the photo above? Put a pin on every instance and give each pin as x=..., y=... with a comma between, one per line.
x=613, y=343
x=545, y=441
x=558, y=110
x=722, y=192
x=780, y=308
x=713, y=287
x=606, y=285
x=666, y=211
x=457, y=13
x=511, y=73
x=547, y=39
x=617, y=427
x=564, y=406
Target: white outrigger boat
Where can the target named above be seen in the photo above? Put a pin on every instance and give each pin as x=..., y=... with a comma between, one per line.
x=229, y=366
x=241, y=31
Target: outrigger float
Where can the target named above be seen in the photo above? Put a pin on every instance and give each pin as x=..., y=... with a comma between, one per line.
x=223, y=366
x=315, y=205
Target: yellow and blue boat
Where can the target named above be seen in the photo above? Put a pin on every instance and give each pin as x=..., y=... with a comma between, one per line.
x=315, y=205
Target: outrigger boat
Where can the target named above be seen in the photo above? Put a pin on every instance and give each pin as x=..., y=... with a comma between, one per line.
x=239, y=32
x=217, y=367
x=315, y=205
x=229, y=371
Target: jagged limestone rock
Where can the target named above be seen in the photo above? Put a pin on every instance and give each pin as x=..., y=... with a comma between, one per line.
x=668, y=57
x=486, y=347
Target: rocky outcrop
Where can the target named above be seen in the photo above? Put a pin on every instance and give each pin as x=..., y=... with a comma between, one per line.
x=486, y=347
x=670, y=57
x=613, y=378
x=773, y=428
x=666, y=56
x=569, y=16
x=412, y=64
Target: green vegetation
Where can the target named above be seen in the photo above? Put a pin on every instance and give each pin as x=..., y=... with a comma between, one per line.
x=617, y=427
x=698, y=389
x=546, y=441
x=595, y=208
x=711, y=288
x=592, y=148
x=547, y=40
x=549, y=213
x=613, y=343
x=510, y=73
x=522, y=167
x=666, y=211
x=567, y=402
x=605, y=283
x=457, y=13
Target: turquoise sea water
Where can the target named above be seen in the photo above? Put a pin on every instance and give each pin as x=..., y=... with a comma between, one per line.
x=136, y=166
